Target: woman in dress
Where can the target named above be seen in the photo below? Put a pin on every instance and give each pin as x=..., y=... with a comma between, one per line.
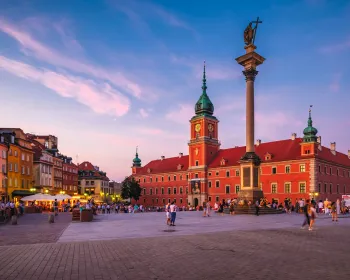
x=167, y=213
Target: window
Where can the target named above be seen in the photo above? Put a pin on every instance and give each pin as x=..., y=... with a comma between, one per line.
x=144, y=191
x=209, y=184
x=174, y=190
x=288, y=169
x=180, y=177
x=325, y=188
x=287, y=188
x=302, y=167
x=216, y=198
x=325, y=170
x=330, y=171
x=217, y=173
x=144, y=180
x=23, y=170
x=174, y=177
x=169, y=190
x=196, y=162
x=196, y=175
x=273, y=188
x=237, y=173
x=22, y=185
x=28, y=170
x=162, y=191
x=227, y=173
x=151, y=191
x=156, y=190
x=156, y=179
x=337, y=188
x=181, y=190
x=180, y=200
x=16, y=169
x=217, y=184
x=3, y=154
x=237, y=188
x=163, y=200
x=209, y=174
x=337, y=172
x=274, y=170
x=330, y=188
x=23, y=156
x=319, y=188
x=209, y=198
x=169, y=178
x=150, y=179
x=10, y=167
x=319, y=168
x=227, y=189
x=168, y=200
x=186, y=190
x=162, y=179
x=186, y=176
x=302, y=188
x=16, y=153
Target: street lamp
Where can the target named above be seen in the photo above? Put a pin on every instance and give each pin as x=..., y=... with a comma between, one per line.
x=46, y=191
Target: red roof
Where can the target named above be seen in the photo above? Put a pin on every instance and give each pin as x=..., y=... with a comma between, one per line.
x=282, y=150
x=87, y=166
x=165, y=165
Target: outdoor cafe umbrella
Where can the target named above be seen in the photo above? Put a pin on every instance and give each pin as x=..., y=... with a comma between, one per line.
x=60, y=197
x=38, y=197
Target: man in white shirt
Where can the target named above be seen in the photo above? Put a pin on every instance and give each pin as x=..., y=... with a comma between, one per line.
x=172, y=213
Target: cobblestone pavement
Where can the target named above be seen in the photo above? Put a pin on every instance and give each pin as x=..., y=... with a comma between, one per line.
x=34, y=228
x=290, y=253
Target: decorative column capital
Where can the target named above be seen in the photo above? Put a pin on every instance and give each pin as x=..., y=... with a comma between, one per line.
x=250, y=74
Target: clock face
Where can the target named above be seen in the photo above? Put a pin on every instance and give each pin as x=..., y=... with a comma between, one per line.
x=198, y=127
x=210, y=127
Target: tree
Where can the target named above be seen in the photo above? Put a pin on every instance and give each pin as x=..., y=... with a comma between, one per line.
x=130, y=189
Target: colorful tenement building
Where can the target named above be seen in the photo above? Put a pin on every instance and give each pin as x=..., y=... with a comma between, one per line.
x=3, y=167
x=19, y=163
x=293, y=168
x=70, y=176
x=93, y=183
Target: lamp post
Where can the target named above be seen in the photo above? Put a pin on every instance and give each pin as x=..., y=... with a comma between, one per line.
x=313, y=195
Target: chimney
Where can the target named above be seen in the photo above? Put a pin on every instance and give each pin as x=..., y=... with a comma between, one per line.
x=258, y=142
x=319, y=140
x=294, y=135
x=333, y=148
x=162, y=157
x=180, y=155
x=12, y=139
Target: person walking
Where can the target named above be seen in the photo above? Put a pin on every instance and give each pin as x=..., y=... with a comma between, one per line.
x=55, y=207
x=334, y=212
x=172, y=213
x=338, y=207
x=208, y=208
x=312, y=215
x=306, y=213
x=167, y=214
x=257, y=207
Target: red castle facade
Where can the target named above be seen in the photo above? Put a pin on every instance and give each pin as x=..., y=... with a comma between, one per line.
x=293, y=168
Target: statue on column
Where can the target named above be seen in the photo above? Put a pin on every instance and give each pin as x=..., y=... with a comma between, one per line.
x=250, y=32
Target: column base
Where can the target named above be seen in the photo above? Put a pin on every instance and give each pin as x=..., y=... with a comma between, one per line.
x=252, y=195
x=251, y=157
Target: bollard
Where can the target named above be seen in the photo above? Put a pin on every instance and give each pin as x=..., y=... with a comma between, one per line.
x=51, y=218
x=14, y=220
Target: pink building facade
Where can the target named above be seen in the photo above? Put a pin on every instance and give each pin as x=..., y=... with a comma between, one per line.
x=3, y=168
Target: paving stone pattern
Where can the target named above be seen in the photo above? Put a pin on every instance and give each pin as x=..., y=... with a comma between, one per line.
x=255, y=254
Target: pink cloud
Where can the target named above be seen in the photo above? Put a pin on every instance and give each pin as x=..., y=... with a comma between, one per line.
x=182, y=114
x=144, y=113
x=100, y=97
x=44, y=53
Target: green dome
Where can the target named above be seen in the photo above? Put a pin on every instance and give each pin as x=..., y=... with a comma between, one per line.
x=204, y=106
x=136, y=162
x=310, y=132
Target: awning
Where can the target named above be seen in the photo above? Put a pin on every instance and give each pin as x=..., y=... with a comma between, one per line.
x=21, y=193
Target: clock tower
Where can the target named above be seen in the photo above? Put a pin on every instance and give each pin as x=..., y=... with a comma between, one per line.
x=203, y=145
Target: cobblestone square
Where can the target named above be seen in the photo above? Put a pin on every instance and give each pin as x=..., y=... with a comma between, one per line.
x=229, y=247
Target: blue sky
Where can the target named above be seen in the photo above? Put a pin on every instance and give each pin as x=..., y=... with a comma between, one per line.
x=106, y=76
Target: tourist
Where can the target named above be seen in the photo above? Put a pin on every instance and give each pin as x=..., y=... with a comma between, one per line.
x=312, y=215
x=207, y=207
x=334, y=212
x=221, y=209
x=108, y=209
x=172, y=209
x=55, y=207
x=343, y=206
x=167, y=213
x=326, y=206
x=306, y=214
x=320, y=206
x=257, y=207
x=338, y=206
x=232, y=208
x=103, y=209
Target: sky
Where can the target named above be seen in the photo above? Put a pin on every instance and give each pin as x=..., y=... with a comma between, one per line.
x=105, y=76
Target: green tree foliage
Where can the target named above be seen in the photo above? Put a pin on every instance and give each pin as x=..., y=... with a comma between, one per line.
x=130, y=189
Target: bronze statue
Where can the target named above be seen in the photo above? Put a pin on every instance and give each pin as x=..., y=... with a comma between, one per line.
x=250, y=32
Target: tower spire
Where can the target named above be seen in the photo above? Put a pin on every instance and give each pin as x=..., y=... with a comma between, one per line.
x=309, y=122
x=204, y=86
x=136, y=161
x=310, y=132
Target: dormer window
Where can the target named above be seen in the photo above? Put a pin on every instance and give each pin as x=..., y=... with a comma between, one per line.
x=149, y=170
x=179, y=167
x=223, y=162
x=268, y=156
